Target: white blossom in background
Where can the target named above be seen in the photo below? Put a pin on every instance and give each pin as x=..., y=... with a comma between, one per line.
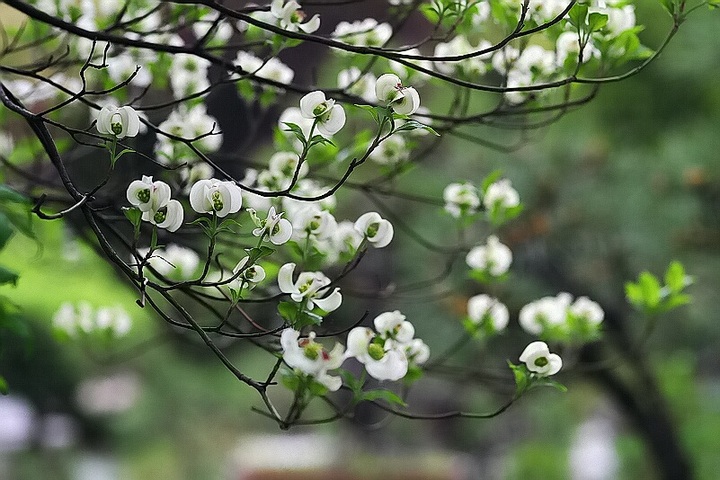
x=222, y=32
x=253, y=200
x=501, y=194
x=188, y=123
x=410, y=74
x=278, y=229
x=621, y=16
x=378, y=231
x=188, y=74
x=119, y=122
x=539, y=360
x=547, y=311
x=366, y=32
x=290, y=17
x=543, y=11
x=391, y=92
x=494, y=257
x=312, y=222
x=83, y=318
x=285, y=165
x=124, y=65
x=310, y=288
x=329, y=117
x=481, y=308
x=358, y=84
x=312, y=358
x=346, y=239
x=567, y=45
x=587, y=310
x=191, y=174
x=461, y=199
x=471, y=66
x=173, y=261
x=270, y=69
x=391, y=151
x=308, y=188
x=148, y=195
x=503, y=59
x=215, y=196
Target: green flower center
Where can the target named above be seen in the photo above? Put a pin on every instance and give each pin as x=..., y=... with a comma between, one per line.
x=160, y=215
x=541, y=362
x=376, y=351
x=143, y=195
x=312, y=350
x=217, y=201
x=320, y=109
x=372, y=229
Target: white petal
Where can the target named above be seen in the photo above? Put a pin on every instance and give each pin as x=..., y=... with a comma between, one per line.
x=393, y=366
x=285, y=278
x=386, y=87
x=309, y=102
x=357, y=343
x=173, y=217
x=284, y=232
x=408, y=103
x=331, y=302
x=365, y=220
x=334, y=122
x=534, y=350
x=198, y=196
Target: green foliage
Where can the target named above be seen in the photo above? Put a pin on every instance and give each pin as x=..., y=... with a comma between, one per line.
x=648, y=296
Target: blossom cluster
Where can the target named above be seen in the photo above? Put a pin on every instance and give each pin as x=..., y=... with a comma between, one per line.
x=560, y=315
x=81, y=318
x=386, y=352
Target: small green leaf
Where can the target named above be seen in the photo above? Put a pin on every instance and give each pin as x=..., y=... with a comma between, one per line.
x=297, y=131
x=288, y=310
x=382, y=394
x=290, y=380
x=7, y=276
x=597, y=21
x=4, y=387
x=521, y=377
x=675, y=277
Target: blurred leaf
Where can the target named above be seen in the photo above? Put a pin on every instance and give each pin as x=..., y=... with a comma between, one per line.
x=7, y=276
x=383, y=394
x=4, y=387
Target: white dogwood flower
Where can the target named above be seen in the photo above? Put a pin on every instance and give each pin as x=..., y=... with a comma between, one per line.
x=329, y=116
x=278, y=229
x=312, y=358
x=484, y=308
x=250, y=276
x=378, y=231
x=461, y=199
x=390, y=91
x=539, y=360
x=501, y=194
x=545, y=312
x=387, y=352
x=310, y=287
x=148, y=195
x=169, y=216
x=291, y=18
x=587, y=310
x=493, y=257
x=120, y=122
x=380, y=362
x=216, y=196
